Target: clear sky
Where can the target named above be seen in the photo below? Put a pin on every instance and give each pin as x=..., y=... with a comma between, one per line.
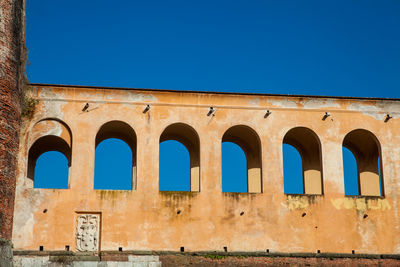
x=339, y=48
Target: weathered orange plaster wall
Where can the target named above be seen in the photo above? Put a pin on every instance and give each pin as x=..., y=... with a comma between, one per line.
x=146, y=219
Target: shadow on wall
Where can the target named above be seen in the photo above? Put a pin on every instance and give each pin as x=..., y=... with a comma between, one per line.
x=302, y=162
x=362, y=164
x=249, y=142
x=179, y=144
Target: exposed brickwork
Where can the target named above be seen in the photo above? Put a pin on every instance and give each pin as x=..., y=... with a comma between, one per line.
x=114, y=257
x=213, y=259
x=12, y=20
x=185, y=260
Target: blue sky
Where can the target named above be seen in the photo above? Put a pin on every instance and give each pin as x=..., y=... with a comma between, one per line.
x=338, y=48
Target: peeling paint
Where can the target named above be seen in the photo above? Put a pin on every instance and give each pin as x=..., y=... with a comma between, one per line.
x=255, y=101
x=134, y=97
x=283, y=103
x=361, y=204
x=296, y=202
x=52, y=109
x=305, y=103
x=50, y=94
x=377, y=111
x=320, y=103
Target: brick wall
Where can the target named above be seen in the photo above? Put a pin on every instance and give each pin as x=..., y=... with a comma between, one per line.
x=12, y=32
x=199, y=261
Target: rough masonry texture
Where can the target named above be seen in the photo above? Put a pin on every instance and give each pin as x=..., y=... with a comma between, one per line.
x=11, y=73
x=12, y=40
x=206, y=219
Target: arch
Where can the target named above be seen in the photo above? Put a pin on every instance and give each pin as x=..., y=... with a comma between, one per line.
x=124, y=132
x=50, y=126
x=117, y=129
x=307, y=143
x=247, y=139
x=48, y=135
x=367, y=151
x=187, y=136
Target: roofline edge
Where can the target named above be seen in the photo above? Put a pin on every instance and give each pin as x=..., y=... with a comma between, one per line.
x=211, y=92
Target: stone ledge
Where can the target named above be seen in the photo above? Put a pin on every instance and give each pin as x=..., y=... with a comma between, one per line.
x=83, y=261
x=70, y=258
x=125, y=254
x=50, y=253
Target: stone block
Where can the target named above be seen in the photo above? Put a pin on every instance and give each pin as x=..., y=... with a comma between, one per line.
x=6, y=253
x=145, y=258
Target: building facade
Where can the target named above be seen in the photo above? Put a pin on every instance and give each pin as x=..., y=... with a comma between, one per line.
x=74, y=119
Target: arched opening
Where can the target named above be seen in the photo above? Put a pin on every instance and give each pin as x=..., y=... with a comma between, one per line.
x=115, y=157
x=179, y=162
x=49, y=156
x=309, y=173
x=174, y=169
x=366, y=150
x=234, y=168
x=292, y=170
x=51, y=171
x=249, y=142
x=350, y=173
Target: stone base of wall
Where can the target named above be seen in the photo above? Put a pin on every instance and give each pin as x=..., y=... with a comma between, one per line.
x=6, y=253
x=207, y=259
x=84, y=261
x=212, y=260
